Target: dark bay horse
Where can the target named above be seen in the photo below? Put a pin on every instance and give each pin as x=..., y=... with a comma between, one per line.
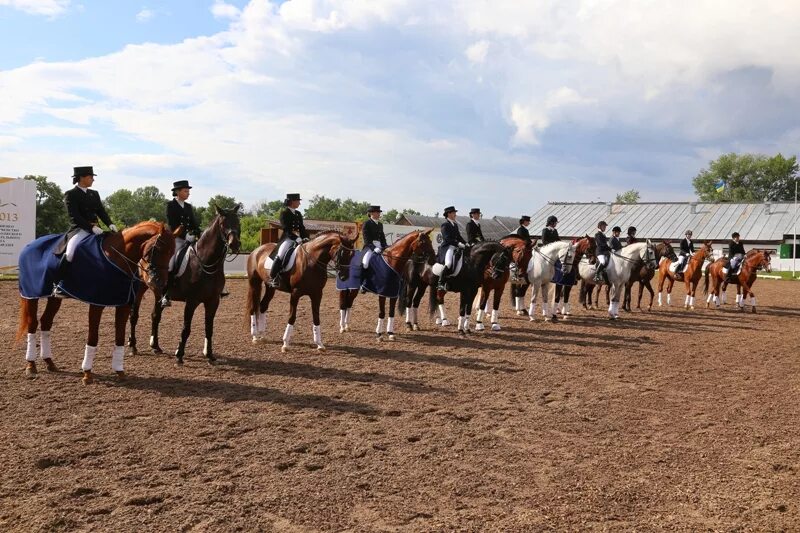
x=691, y=275
x=142, y=251
x=644, y=274
x=398, y=255
x=490, y=254
x=752, y=262
x=417, y=269
x=521, y=251
x=201, y=283
x=307, y=277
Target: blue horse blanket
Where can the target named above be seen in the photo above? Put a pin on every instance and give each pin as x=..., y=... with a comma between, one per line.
x=92, y=278
x=559, y=278
x=380, y=278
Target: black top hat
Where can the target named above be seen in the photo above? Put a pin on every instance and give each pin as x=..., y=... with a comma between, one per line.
x=552, y=219
x=180, y=184
x=374, y=208
x=292, y=196
x=450, y=209
x=79, y=172
x=475, y=210
x=602, y=223
x=524, y=218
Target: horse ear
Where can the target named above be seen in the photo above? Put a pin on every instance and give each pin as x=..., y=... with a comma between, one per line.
x=428, y=233
x=217, y=208
x=649, y=243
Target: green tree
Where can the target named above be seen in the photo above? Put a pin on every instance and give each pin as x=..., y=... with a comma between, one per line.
x=268, y=208
x=322, y=208
x=127, y=208
x=206, y=214
x=250, y=226
x=628, y=197
x=747, y=178
x=391, y=216
x=51, y=214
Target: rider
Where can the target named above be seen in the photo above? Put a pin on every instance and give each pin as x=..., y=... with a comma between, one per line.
x=631, y=236
x=84, y=207
x=374, y=237
x=687, y=249
x=616, y=244
x=451, y=241
x=735, y=253
x=603, y=252
x=180, y=213
x=522, y=230
x=294, y=233
x=550, y=233
x=474, y=233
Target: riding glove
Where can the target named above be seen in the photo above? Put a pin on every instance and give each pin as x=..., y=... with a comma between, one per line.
x=298, y=240
x=113, y=228
x=96, y=230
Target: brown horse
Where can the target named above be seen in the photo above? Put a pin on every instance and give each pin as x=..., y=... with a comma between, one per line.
x=143, y=252
x=417, y=243
x=754, y=261
x=521, y=251
x=691, y=275
x=307, y=277
x=584, y=247
x=201, y=283
x=417, y=268
x=644, y=274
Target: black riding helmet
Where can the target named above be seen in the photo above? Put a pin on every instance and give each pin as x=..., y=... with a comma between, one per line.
x=617, y=229
x=631, y=230
x=552, y=220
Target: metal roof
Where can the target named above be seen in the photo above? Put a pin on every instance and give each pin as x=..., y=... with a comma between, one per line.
x=756, y=222
x=491, y=228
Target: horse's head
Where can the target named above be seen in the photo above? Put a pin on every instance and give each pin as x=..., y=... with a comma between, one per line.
x=649, y=258
x=708, y=251
x=422, y=246
x=156, y=254
x=227, y=222
x=668, y=251
x=500, y=261
x=343, y=255
x=764, y=261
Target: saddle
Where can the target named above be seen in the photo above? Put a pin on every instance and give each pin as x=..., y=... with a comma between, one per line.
x=458, y=262
x=182, y=260
x=288, y=262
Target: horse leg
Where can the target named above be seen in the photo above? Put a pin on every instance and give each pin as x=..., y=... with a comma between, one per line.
x=289, y=332
x=442, y=312
x=481, y=307
x=417, y=301
x=351, y=298
x=253, y=303
x=379, y=329
x=535, y=288
x=565, y=311
x=316, y=328
x=46, y=326
x=90, y=351
x=344, y=296
x=613, y=301
x=747, y=291
x=155, y=321
x=188, y=314
x=670, y=284
x=263, y=309
x=28, y=323
x=137, y=303
x=649, y=287
x=210, y=307
x=547, y=312
x=121, y=315
x=464, y=312
x=390, y=320
x=497, y=298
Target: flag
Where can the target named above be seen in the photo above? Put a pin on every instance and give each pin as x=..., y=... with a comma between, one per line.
x=720, y=186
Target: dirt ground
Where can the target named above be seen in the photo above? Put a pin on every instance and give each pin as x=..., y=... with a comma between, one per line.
x=665, y=420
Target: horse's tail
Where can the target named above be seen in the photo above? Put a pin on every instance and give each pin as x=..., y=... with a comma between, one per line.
x=433, y=302
x=25, y=314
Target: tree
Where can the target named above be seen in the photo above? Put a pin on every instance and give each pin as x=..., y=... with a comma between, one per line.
x=322, y=208
x=51, y=214
x=269, y=209
x=747, y=178
x=628, y=197
x=206, y=214
x=391, y=216
x=127, y=208
x=250, y=227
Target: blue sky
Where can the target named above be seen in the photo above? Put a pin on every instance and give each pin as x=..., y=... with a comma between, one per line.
x=503, y=105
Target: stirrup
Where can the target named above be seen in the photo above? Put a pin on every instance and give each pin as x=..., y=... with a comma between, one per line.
x=58, y=292
x=165, y=302
x=275, y=282
x=224, y=294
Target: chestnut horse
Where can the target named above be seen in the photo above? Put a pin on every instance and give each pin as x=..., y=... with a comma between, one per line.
x=307, y=277
x=691, y=275
x=417, y=243
x=521, y=251
x=143, y=252
x=644, y=274
x=201, y=283
x=753, y=261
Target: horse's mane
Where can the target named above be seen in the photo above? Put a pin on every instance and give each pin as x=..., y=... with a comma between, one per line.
x=628, y=251
x=149, y=226
x=553, y=244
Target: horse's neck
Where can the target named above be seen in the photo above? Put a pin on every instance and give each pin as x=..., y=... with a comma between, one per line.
x=321, y=252
x=553, y=250
x=210, y=245
x=399, y=254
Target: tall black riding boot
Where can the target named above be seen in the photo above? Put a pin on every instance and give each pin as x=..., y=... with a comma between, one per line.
x=61, y=273
x=443, y=279
x=598, y=274
x=275, y=273
x=164, y=302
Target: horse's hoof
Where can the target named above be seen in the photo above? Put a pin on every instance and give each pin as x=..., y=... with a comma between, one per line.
x=409, y=327
x=416, y=327
x=157, y=350
x=51, y=366
x=691, y=308
x=321, y=348
x=461, y=333
x=121, y=375
x=341, y=329
x=347, y=327
x=479, y=327
x=256, y=339
x=284, y=348
x=445, y=322
x=390, y=336
x=531, y=318
x=754, y=310
x=132, y=350
x=438, y=321
x=88, y=377
x=495, y=327
x=547, y=319
x=519, y=313
x=31, y=372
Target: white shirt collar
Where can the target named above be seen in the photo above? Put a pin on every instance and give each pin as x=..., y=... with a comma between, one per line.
x=180, y=202
x=478, y=221
x=293, y=210
x=84, y=189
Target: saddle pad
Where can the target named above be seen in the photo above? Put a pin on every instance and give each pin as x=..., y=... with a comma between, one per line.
x=92, y=277
x=437, y=268
x=380, y=278
x=287, y=266
x=183, y=257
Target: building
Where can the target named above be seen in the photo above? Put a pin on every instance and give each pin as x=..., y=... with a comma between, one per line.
x=491, y=228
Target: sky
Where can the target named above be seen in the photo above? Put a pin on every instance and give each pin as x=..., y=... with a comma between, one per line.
x=503, y=105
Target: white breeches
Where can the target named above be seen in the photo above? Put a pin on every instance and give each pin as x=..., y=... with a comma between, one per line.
x=179, y=242
x=284, y=248
x=602, y=259
x=449, y=256
x=73, y=243
x=367, y=257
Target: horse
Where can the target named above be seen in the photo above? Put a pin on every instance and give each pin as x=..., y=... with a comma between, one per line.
x=644, y=274
x=142, y=252
x=619, y=269
x=397, y=256
x=487, y=254
x=200, y=283
x=754, y=261
x=521, y=251
x=306, y=277
x=540, y=270
x=691, y=275
x=414, y=289
x=583, y=247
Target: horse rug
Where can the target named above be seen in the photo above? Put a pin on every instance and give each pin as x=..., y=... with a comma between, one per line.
x=380, y=278
x=92, y=277
x=559, y=278
x=287, y=264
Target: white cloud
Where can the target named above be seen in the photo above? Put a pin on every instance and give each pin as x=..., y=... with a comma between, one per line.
x=145, y=15
x=50, y=8
x=223, y=10
x=53, y=131
x=477, y=51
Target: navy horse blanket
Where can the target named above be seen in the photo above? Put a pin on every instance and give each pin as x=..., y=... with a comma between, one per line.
x=380, y=278
x=559, y=278
x=92, y=278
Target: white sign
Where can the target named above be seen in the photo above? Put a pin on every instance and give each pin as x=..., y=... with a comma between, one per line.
x=17, y=220
x=395, y=232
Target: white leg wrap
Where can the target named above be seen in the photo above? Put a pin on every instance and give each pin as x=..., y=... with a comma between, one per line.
x=379, y=328
x=487, y=308
x=253, y=325
x=46, y=347
x=317, y=332
x=659, y=298
x=30, y=352
x=262, y=322
x=686, y=301
x=723, y=297
x=287, y=335
x=442, y=314
x=409, y=312
x=205, y=346
x=545, y=309
x=566, y=309
x=342, y=318
x=415, y=318
x=753, y=301
x=518, y=302
x=461, y=322
x=532, y=309
x=479, y=317
x=669, y=298
x=88, y=357
x=494, y=316
x=347, y=316
x=710, y=296
x=390, y=325
x=691, y=301
x=117, y=359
